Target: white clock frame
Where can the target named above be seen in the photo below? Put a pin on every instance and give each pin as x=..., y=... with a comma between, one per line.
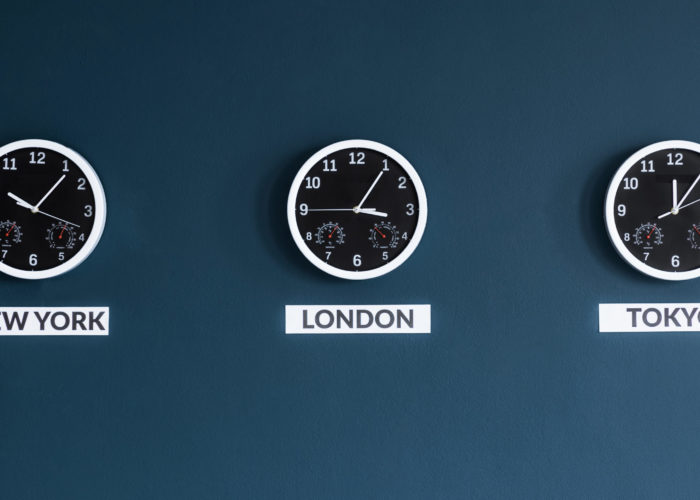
x=610, y=211
x=100, y=209
x=422, y=209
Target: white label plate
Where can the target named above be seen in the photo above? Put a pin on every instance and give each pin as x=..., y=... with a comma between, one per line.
x=358, y=319
x=16, y=321
x=649, y=317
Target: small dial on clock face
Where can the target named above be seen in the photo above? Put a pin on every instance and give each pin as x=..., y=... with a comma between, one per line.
x=52, y=209
x=652, y=210
x=330, y=235
x=376, y=203
x=384, y=235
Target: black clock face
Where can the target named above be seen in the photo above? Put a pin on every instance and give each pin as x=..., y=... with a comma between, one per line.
x=47, y=209
x=357, y=210
x=656, y=211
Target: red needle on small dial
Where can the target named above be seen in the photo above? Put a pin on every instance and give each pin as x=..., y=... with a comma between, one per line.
x=331, y=235
x=650, y=232
x=60, y=236
x=696, y=229
x=383, y=235
x=10, y=230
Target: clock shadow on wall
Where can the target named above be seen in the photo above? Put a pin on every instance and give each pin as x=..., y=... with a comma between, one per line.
x=275, y=216
x=592, y=221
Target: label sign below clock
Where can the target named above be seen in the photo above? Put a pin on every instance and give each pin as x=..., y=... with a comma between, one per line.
x=649, y=317
x=358, y=319
x=81, y=321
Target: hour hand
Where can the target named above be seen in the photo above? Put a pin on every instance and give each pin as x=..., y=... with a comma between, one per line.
x=20, y=201
x=371, y=211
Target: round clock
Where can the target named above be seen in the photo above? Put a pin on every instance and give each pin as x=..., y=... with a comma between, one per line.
x=652, y=210
x=357, y=209
x=52, y=209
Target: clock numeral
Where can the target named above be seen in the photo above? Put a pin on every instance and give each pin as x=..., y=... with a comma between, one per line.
x=88, y=211
x=328, y=255
x=621, y=210
x=357, y=260
x=65, y=166
x=675, y=159
x=675, y=261
x=81, y=184
x=630, y=183
x=404, y=236
x=313, y=182
x=33, y=261
x=360, y=160
x=309, y=236
x=627, y=236
x=646, y=256
x=4, y=254
x=648, y=166
x=410, y=209
x=9, y=164
x=81, y=237
x=329, y=166
x=37, y=158
x=386, y=165
x=402, y=182
x=385, y=255
x=61, y=256
x=303, y=209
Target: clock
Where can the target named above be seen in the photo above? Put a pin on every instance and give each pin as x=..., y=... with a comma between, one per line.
x=52, y=209
x=357, y=209
x=652, y=210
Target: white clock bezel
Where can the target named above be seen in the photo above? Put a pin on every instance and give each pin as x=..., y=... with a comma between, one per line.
x=610, y=211
x=100, y=209
x=422, y=209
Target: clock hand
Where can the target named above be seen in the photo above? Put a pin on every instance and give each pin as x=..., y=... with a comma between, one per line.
x=675, y=196
x=368, y=211
x=672, y=212
x=20, y=201
x=36, y=207
x=371, y=211
x=687, y=192
x=57, y=218
x=359, y=205
x=24, y=204
x=337, y=209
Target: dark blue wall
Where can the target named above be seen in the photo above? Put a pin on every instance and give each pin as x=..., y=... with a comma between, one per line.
x=197, y=115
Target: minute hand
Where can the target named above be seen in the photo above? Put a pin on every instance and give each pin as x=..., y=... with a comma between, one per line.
x=359, y=205
x=688, y=192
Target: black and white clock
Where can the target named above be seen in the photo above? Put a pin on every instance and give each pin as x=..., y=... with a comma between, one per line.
x=652, y=210
x=357, y=209
x=52, y=209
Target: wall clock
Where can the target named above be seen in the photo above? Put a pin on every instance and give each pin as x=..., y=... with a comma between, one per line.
x=357, y=209
x=52, y=209
x=652, y=210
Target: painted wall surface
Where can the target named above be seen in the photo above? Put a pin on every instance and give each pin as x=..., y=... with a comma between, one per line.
x=197, y=115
